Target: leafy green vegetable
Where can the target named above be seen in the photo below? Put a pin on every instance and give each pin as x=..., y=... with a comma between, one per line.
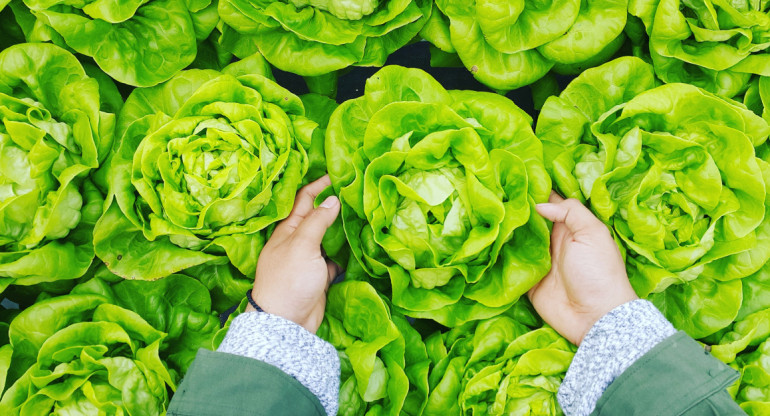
x=496, y=366
x=747, y=349
x=177, y=305
x=206, y=164
x=316, y=37
x=672, y=171
x=55, y=129
x=383, y=360
x=750, y=331
x=318, y=108
x=438, y=191
x=715, y=45
x=754, y=388
x=509, y=44
x=78, y=354
x=137, y=42
x=10, y=31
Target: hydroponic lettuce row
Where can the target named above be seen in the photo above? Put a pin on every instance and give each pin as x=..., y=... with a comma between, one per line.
x=438, y=191
x=672, y=171
x=147, y=152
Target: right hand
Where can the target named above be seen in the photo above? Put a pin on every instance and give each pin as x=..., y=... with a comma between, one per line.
x=588, y=276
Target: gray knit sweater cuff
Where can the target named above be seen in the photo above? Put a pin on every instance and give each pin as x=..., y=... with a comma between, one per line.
x=291, y=348
x=613, y=344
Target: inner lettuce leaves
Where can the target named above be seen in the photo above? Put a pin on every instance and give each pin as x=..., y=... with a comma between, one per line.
x=317, y=37
x=79, y=354
x=507, y=44
x=713, y=44
x=438, y=191
x=137, y=42
x=206, y=164
x=497, y=366
x=56, y=126
x=384, y=365
x=673, y=171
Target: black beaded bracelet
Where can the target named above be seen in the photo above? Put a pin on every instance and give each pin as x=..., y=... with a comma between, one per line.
x=251, y=301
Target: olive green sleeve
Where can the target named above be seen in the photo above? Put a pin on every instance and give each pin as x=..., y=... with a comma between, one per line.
x=676, y=377
x=221, y=384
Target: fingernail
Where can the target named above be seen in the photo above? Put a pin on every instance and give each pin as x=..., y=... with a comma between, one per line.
x=330, y=202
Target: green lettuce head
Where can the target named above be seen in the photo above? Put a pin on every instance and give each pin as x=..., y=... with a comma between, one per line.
x=56, y=126
x=316, y=37
x=496, y=366
x=508, y=44
x=136, y=42
x=746, y=347
x=715, y=45
x=177, y=305
x=438, y=190
x=78, y=354
x=672, y=171
x=754, y=388
x=383, y=360
x=206, y=164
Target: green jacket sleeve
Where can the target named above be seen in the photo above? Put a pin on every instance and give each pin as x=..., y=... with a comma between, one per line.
x=676, y=377
x=220, y=384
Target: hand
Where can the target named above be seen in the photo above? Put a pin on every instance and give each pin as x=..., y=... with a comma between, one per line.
x=292, y=273
x=587, y=278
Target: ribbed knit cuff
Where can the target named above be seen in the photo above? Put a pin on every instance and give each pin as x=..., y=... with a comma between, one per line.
x=613, y=344
x=291, y=348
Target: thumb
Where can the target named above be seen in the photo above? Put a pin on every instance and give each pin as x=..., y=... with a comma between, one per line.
x=311, y=230
x=572, y=213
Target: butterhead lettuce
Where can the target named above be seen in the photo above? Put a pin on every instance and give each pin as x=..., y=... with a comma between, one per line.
x=56, y=127
x=78, y=354
x=438, y=191
x=509, y=44
x=206, y=163
x=177, y=305
x=672, y=170
x=497, y=366
x=317, y=37
x=136, y=42
x=715, y=45
x=745, y=347
x=384, y=364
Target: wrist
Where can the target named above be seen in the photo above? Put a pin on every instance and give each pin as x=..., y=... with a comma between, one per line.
x=263, y=304
x=598, y=313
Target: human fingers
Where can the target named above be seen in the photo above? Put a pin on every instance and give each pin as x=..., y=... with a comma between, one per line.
x=311, y=230
x=572, y=213
x=303, y=205
x=555, y=198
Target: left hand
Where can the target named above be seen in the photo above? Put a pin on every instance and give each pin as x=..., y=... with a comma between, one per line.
x=292, y=273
